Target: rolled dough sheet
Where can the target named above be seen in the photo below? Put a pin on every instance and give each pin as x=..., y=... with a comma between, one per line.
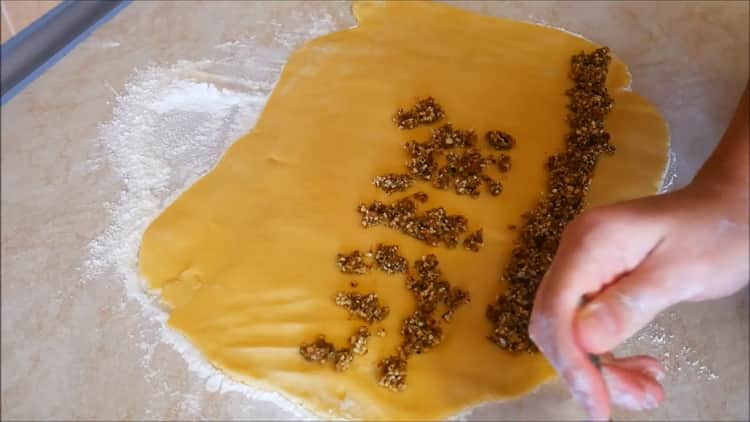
x=245, y=259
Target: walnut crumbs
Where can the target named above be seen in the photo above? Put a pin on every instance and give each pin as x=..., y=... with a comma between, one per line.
x=426, y=111
x=569, y=177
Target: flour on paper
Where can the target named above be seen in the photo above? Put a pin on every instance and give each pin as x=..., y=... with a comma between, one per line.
x=170, y=125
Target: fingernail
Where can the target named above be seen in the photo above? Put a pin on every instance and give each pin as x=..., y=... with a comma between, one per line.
x=593, y=318
x=656, y=373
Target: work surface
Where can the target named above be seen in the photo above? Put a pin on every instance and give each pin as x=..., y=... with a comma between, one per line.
x=94, y=148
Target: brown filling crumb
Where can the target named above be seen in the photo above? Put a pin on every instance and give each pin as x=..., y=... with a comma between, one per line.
x=421, y=197
x=354, y=263
x=446, y=137
x=392, y=182
x=364, y=306
x=420, y=330
x=358, y=341
x=434, y=227
x=388, y=259
x=499, y=140
x=569, y=178
x=503, y=163
x=342, y=359
x=463, y=171
x=392, y=373
x=422, y=162
x=426, y=111
x=474, y=241
x=322, y=351
x=354, y=284
x=319, y=351
x=493, y=186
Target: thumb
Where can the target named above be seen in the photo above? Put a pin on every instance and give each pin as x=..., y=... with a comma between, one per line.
x=622, y=309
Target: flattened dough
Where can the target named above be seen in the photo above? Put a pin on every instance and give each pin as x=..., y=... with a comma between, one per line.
x=245, y=257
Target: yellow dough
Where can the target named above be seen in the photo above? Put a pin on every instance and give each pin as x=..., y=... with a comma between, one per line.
x=245, y=259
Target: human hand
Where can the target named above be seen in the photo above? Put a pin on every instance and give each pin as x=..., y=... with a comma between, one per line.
x=634, y=260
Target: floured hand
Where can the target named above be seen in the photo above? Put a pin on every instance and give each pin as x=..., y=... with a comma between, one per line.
x=633, y=260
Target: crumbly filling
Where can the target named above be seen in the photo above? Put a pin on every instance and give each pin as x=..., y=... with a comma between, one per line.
x=569, y=178
x=388, y=259
x=353, y=263
x=392, y=182
x=499, y=140
x=434, y=227
x=365, y=307
x=474, y=241
x=426, y=111
x=420, y=330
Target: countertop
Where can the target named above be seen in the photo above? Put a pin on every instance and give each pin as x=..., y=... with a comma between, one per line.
x=79, y=342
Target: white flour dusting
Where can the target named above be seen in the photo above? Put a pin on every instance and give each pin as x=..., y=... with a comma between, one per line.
x=170, y=125
x=682, y=362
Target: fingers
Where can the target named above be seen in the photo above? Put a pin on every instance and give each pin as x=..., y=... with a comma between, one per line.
x=622, y=309
x=632, y=389
x=594, y=251
x=555, y=339
x=645, y=365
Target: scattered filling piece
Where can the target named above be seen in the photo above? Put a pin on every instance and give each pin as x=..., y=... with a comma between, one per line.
x=446, y=137
x=358, y=341
x=392, y=373
x=342, y=359
x=354, y=263
x=456, y=298
x=463, y=171
x=322, y=351
x=392, y=182
x=569, y=178
x=388, y=259
x=474, y=241
x=363, y=306
x=434, y=227
x=421, y=197
x=493, y=186
x=421, y=164
x=421, y=331
x=319, y=351
x=499, y=140
x=426, y=111
x=503, y=163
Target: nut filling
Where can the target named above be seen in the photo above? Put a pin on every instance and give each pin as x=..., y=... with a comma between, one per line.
x=569, y=178
x=388, y=259
x=499, y=140
x=426, y=111
x=354, y=263
x=463, y=171
x=322, y=351
x=421, y=331
x=392, y=182
x=434, y=227
x=365, y=307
